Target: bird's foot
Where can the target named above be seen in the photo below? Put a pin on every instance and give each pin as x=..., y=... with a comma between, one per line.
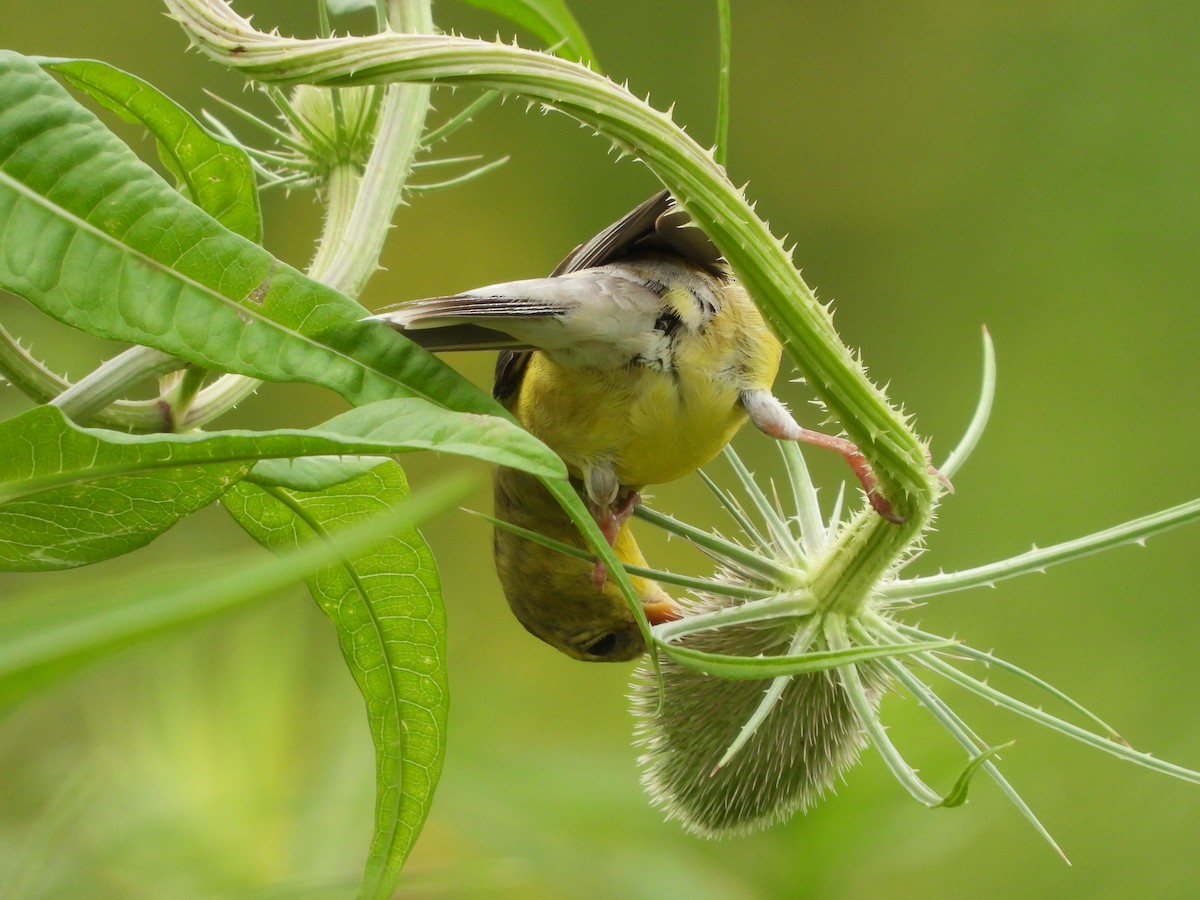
x=600, y=575
x=771, y=417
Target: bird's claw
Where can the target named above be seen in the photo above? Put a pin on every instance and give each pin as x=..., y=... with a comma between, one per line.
x=600, y=575
x=610, y=522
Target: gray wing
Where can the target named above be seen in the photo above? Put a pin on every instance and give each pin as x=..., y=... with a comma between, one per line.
x=657, y=225
x=600, y=317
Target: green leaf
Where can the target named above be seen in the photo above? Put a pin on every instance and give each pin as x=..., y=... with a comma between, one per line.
x=214, y=174
x=71, y=496
x=720, y=665
x=68, y=498
x=550, y=20
x=311, y=473
x=958, y=793
x=387, y=608
x=94, y=238
x=44, y=639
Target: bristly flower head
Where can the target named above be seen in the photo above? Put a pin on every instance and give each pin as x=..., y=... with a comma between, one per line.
x=333, y=125
x=803, y=738
x=765, y=693
x=321, y=130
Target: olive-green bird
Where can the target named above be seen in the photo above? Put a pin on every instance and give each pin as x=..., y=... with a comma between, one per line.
x=636, y=361
x=555, y=596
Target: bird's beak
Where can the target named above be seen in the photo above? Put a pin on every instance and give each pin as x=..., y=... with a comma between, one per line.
x=663, y=609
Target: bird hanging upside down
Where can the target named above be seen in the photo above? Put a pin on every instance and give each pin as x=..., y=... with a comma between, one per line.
x=636, y=361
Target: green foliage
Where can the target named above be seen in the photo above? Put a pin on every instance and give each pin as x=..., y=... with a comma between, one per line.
x=126, y=489
x=214, y=174
x=96, y=239
x=45, y=638
x=392, y=634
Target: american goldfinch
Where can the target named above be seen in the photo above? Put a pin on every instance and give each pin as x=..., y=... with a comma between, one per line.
x=636, y=361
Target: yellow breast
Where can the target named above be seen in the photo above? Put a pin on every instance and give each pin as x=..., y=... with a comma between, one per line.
x=654, y=426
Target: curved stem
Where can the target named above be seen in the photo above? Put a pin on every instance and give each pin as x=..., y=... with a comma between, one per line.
x=111, y=379
x=37, y=382
x=725, y=30
x=697, y=181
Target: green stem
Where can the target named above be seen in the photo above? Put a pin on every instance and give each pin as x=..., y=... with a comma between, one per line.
x=1120, y=750
x=959, y=730
x=845, y=578
x=361, y=207
x=111, y=379
x=725, y=29
x=217, y=399
x=868, y=718
x=178, y=391
x=334, y=252
x=764, y=567
x=26, y=373
x=792, y=604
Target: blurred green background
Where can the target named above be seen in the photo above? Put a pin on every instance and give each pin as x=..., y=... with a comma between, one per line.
x=940, y=165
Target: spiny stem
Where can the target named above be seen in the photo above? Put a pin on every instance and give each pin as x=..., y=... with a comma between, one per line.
x=959, y=730
x=868, y=718
x=1039, y=559
x=112, y=379
x=1062, y=726
x=727, y=551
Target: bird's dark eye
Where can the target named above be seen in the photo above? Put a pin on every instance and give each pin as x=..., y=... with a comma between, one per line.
x=603, y=645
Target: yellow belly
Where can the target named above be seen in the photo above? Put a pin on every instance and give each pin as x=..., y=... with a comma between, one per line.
x=654, y=427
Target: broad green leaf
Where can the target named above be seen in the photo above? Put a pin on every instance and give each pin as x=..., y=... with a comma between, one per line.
x=45, y=638
x=213, y=173
x=387, y=608
x=311, y=473
x=550, y=20
x=68, y=498
x=71, y=496
x=720, y=665
x=94, y=238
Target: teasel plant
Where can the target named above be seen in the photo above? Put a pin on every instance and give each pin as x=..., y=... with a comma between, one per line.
x=766, y=691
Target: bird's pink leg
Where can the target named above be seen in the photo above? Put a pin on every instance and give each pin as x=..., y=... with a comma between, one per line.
x=772, y=418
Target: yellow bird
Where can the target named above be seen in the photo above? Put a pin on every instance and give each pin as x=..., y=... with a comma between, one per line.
x=636, y=361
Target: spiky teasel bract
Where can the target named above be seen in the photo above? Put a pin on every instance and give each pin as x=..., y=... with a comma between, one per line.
x=727, y=751
x=766, y=692
x=327, y=129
